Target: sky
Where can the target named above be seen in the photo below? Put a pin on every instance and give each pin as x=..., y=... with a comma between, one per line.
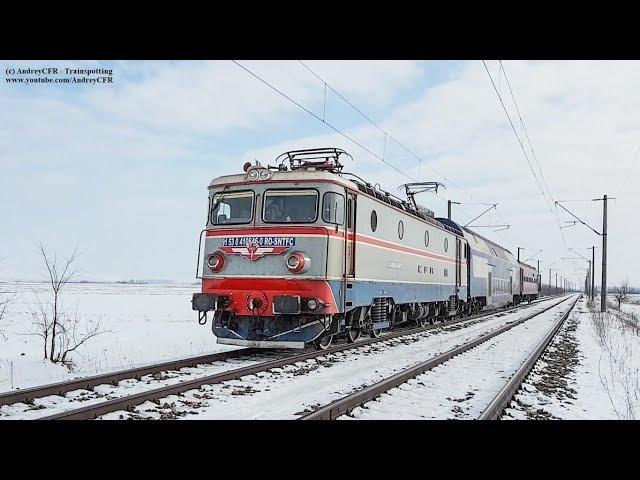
x=121, y=170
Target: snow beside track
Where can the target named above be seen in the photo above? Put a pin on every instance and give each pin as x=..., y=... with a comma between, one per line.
x=52, y=404
x=287, y=392
x=590, y=371
x=144, y=323
x=462, y=387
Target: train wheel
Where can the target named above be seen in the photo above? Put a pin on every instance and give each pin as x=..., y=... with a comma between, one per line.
x=422, y=322
x=353, y=334
x=323, y=343
x=375, y=332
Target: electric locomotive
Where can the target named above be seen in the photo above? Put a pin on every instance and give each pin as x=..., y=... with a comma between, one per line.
x=302, y=251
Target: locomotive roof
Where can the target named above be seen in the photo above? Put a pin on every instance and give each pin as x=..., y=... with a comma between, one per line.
x=322, y=164
x=286, y=176
x=356, y=184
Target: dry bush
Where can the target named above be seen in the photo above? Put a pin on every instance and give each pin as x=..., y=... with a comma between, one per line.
x=4, y=312
x=61, y=333
x=616, y=332
x=621, y=292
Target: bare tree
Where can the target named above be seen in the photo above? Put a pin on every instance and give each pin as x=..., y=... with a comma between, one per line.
x=60, y=332
x=4, y=310
x=5, y=300
x=621, y=292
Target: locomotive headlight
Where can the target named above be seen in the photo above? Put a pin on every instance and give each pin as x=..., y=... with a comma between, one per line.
x=264, y=174
x=216, y=261
x=312, y=304
x=297, y=262
x=253, y=175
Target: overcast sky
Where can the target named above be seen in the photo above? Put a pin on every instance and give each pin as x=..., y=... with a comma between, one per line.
x=122, y=170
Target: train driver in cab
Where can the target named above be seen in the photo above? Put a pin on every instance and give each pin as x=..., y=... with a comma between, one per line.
x=274, y=214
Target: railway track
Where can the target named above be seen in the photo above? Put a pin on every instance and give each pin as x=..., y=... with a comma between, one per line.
x=27, y=395
x=130, y=401
x=502, y=400
x=495, y=408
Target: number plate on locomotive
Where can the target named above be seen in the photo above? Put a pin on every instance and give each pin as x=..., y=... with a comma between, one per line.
x=253, y=248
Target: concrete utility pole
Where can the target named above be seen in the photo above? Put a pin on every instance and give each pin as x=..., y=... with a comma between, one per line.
x=603, y=287
x=556, y=290
x=587, y=283
x=549, y=281
x=449, y=203
x=593, y=271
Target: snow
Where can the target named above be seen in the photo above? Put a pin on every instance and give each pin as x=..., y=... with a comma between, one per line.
x=289, y=391
x=53, y=404
x=144, y=324
x=590, y=371
x=462, y=387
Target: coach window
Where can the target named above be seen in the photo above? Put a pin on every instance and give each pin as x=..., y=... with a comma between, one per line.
x=426, y=238
x=446, y=244
x=333, y=208
x=290, y=206
x=374, y=220
x=400, y=229
x=232, y=208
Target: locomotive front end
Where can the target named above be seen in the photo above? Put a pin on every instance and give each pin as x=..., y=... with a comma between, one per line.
x=264, y=267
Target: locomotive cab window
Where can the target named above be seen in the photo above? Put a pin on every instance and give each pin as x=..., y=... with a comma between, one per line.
x=333, y=208
x=230, y=208
x=290, y=206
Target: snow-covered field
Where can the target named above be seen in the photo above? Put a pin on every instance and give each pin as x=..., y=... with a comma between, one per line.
x=591, y=370
x=143, y=324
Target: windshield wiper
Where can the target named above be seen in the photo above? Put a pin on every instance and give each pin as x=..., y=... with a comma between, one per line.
x=222, y=197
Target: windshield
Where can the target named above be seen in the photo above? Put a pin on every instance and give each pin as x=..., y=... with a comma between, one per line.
x=290, y=206
x=232, y=208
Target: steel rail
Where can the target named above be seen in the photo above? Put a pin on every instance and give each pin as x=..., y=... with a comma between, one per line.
x=27, y=394
x=344, y=405
x=505, y=395
x=123, y=403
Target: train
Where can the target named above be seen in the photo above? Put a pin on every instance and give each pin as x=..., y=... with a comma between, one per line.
x=302, y=252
